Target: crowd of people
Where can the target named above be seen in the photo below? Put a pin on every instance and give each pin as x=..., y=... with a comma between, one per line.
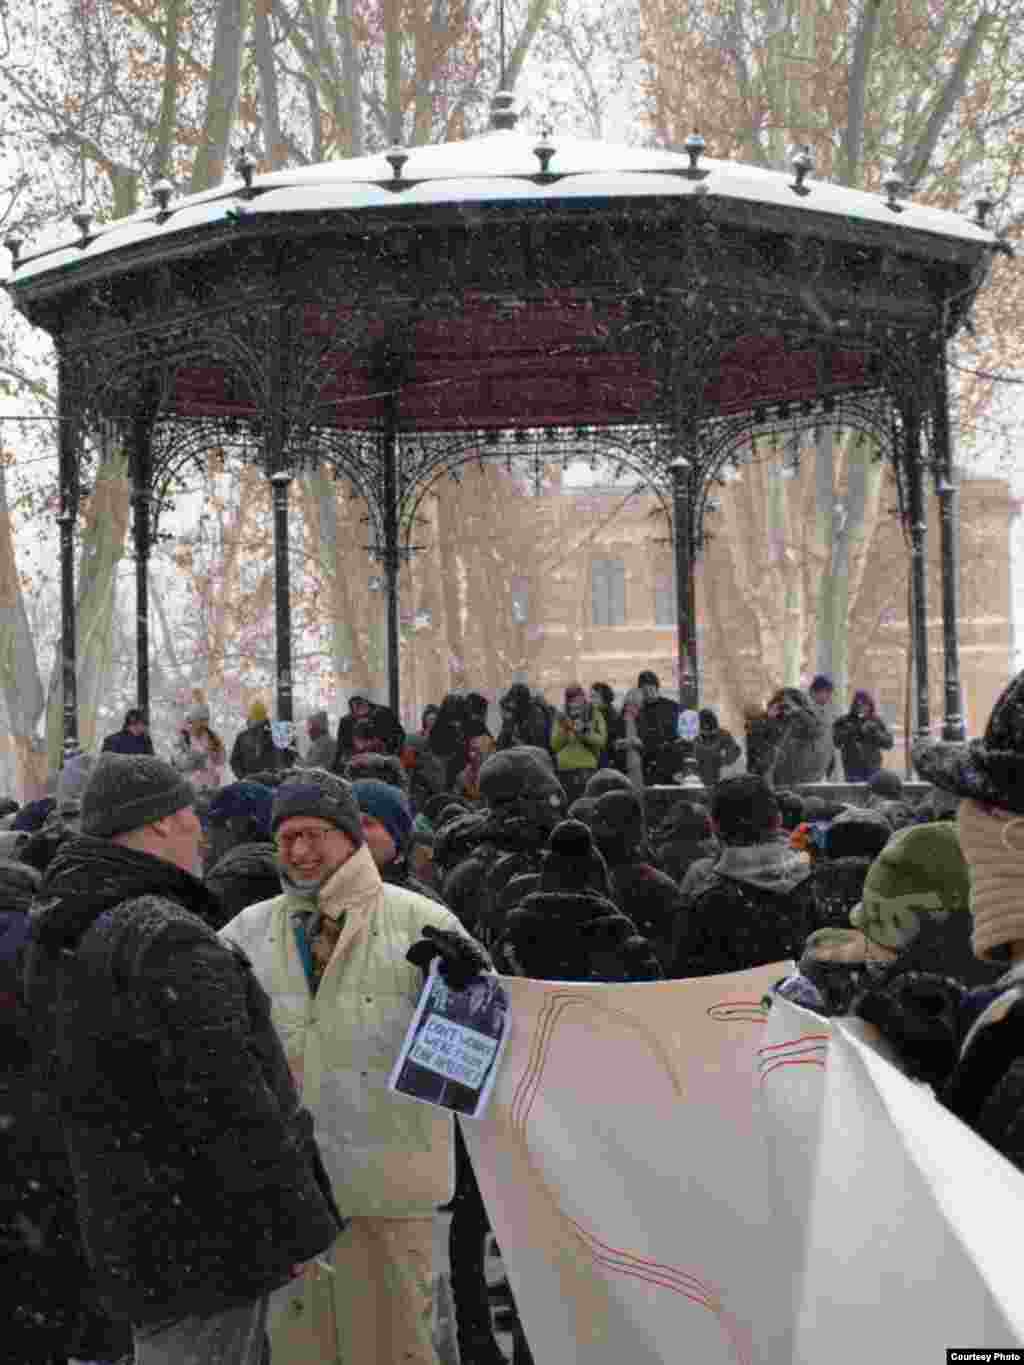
x=205, y=983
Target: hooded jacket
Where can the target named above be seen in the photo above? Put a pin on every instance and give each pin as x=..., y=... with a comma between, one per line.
x=386, y=1157
x=755, y=906
x=197, y=1180
x=793, y=749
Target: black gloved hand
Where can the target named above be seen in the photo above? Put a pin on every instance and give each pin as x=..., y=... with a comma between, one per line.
x=461, y=958
x=918, y=1014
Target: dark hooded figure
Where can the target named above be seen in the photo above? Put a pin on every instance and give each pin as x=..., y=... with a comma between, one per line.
x=861, y=736
x=650, y=898
x=569, y=928
x=444, y=754
x=524, y=801
x=523, y=720
x=714, y=748
x=755, y=904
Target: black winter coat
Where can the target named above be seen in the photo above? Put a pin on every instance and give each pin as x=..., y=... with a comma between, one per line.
x=756, y=905
x=51, y=1307
x=197, y=1177
x=124, y=742
x=657, y=727
x=254, y=752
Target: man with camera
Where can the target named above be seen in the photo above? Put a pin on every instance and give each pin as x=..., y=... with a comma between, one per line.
x=577, y=741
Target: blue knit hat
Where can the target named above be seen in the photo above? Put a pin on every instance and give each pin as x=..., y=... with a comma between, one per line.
x=243, y=800
x=33, y=815
x=388, y=805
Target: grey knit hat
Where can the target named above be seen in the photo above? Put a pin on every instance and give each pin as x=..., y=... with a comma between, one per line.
x=316, y=792
x=127, y=791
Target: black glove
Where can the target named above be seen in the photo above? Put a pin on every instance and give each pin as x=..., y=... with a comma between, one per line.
x=918, y=1014
x=461, y=958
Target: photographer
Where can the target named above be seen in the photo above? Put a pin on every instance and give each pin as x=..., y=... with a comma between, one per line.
x=860, y=736
x=578, y=740
x=788, y=743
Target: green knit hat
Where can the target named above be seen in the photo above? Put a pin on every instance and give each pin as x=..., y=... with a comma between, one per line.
x=921, y=871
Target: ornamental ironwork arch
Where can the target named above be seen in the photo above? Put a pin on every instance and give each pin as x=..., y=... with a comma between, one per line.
x=395, y=324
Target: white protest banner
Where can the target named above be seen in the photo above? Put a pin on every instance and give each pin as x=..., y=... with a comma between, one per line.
x=899, y=1223
x=624, y=1176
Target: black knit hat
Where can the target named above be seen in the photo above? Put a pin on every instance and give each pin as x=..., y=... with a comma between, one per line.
x=572, y=863
x=618, y=819
x=518, y=774
x=127, y=791
x=316, y=792
x=989, y=769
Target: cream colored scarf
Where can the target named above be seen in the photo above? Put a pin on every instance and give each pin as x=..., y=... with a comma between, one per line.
x=992, y=840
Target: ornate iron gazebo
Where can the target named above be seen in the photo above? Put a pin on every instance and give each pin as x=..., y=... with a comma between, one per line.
x=395, y=316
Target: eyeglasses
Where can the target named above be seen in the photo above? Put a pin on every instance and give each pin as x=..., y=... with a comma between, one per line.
x=315, y=838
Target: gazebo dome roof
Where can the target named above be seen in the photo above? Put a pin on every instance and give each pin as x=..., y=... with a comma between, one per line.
x=503, y=166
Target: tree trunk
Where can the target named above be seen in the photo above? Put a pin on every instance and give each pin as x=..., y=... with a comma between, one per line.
x=22, y=687
x=221, y=95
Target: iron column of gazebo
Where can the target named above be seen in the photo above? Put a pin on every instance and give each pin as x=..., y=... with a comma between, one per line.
x=275, y=437
x=141, y=462
x=945, y=489
x=681, y=470
x=69, y=431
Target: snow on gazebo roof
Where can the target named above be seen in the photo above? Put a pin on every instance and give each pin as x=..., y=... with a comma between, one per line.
x=506, y=166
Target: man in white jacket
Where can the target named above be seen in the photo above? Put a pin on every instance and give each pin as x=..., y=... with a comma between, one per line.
x=331, y=952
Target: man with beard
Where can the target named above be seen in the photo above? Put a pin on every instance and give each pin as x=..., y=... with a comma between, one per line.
x=198, y=1183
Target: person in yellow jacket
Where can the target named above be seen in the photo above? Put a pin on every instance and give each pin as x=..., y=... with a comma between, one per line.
x=331, y=952
x=577, y=741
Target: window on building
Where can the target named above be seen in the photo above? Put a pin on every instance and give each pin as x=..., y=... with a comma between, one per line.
x=608, y=592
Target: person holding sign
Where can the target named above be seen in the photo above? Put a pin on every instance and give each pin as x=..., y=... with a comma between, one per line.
x=333, y=954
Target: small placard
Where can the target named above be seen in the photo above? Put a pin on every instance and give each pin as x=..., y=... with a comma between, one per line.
x=451, y=1052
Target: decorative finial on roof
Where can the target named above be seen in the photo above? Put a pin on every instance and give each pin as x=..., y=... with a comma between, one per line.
x=14, y=242
x=695, y=147
x=503, y=110
x=983, y=206
x=892, y=183
x=396, y=157
x=544, y=150
x=245, y=169
x=82, y=219
x=803, y=164
x=162, y=192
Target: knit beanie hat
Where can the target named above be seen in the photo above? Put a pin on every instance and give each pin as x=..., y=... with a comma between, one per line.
x=647, y=679
x=518, y=774
x=33, y=815
x=388, y=805
x=993, y=843
x=572, y=863
x=607, y=780
x=127, y=791
x=921, y=872
x=887, y=784
x=857, y=833
x=618, y=820
x=257, y=712
x=246, y=801
x=316, y=792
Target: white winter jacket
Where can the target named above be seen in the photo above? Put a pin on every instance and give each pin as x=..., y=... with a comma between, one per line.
x=387, y=1156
